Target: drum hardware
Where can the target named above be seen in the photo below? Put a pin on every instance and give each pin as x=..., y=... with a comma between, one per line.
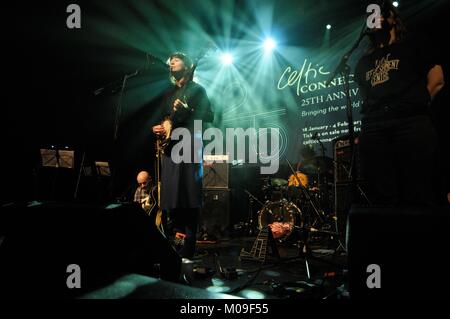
x=285, y=222
x=250, y=224
x=274, y=188
x=299, y=219
x=317, y=210
x=292, y=192
x=283, y=216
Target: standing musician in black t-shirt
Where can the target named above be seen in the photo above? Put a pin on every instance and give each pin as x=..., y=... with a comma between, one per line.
x=398, y=77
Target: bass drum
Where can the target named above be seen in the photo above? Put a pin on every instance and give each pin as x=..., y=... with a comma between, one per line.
x=282, y=217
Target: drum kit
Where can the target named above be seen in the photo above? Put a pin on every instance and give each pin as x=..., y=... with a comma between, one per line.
x=298, y=202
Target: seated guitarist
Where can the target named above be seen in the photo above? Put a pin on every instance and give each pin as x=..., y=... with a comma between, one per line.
x=181, y=182
x=142, y=193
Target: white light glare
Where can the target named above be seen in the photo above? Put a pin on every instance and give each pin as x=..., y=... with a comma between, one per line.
x=269, y=44
x=227, y=58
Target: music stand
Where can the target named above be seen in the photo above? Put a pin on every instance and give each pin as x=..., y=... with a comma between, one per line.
x=98, y=170
x=57, y=158
x=103, y=169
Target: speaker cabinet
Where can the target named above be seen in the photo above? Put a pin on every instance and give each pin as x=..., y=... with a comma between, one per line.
x=409, y=245
x=215, y=216
x=42, y=239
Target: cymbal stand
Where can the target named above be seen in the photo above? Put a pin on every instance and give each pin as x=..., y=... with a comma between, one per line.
x=319, y=171
x=250, y=224
x=317, y=210
x=358, y=186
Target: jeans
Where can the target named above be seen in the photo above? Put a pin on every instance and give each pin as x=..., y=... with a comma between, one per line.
x=398, y=159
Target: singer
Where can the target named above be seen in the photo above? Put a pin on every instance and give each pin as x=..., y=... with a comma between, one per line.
x=181, y=183
x=399, y=76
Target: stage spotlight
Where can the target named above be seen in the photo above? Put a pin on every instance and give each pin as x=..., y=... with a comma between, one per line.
x=395, y=4
x=227, y=58
x=269, y=44
x=328, y=26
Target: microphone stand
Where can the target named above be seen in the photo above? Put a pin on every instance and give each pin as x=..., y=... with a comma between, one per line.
x=344, y=69
x=320, y=166
x=55, y=177
x=250, y=221
x=117, y=120
x=113, y=87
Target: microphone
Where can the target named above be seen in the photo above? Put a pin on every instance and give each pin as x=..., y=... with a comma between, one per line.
x=152, y=60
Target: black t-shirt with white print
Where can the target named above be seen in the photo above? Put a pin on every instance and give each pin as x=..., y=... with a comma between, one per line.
x=393, y=79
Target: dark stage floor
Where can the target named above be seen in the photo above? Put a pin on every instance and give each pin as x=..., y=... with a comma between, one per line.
x=218, y=268
x=116, y=254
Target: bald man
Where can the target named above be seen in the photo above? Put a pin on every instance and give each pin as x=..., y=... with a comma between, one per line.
x=144, y=181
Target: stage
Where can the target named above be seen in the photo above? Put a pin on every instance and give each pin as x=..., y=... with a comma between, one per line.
x=297, y=147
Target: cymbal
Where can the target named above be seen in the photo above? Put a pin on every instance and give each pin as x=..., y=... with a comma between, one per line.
x=278, y=182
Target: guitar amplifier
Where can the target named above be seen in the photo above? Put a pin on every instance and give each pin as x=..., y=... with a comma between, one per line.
x=215, y=215
x=215, y=172
x=343, y=160
x=345, y=193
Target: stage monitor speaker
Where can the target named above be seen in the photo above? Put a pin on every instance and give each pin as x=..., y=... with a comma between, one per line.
x=41, y=240
x=215, y=173
x=398, y=253
x=215, y=216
